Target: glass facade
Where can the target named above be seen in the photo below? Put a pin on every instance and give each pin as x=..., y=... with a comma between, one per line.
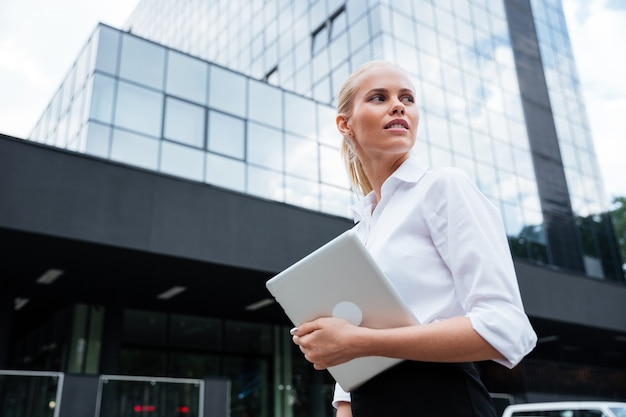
x=139, y=103
x=268, y=129
x=588, y=201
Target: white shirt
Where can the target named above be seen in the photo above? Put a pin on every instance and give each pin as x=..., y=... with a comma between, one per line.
x=442, y=244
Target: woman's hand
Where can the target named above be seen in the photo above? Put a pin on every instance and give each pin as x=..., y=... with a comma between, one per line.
x=326, y=341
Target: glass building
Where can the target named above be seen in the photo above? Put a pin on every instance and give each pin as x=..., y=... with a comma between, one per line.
x=238, y=97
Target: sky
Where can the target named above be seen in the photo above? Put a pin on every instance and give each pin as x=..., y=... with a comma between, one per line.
x=40, y=39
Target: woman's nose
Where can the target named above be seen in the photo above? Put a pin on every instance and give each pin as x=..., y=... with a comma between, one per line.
x=397, y=108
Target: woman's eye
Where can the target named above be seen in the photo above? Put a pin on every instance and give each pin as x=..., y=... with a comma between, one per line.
x=377, y=97
x=408, y=99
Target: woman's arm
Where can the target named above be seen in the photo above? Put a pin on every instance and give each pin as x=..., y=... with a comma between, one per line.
x=344, y=410
x=328, y=342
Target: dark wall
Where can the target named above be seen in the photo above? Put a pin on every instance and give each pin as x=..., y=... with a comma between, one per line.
x=55, y=192
x=51, y=191
x=567, y=298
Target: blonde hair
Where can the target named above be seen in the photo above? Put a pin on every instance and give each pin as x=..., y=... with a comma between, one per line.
x=345, y=102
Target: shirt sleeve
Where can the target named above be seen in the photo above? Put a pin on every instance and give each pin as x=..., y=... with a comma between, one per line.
x=471, y=239
x=340, y=395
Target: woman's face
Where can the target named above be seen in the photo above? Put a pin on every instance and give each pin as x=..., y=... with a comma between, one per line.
x=384, y=116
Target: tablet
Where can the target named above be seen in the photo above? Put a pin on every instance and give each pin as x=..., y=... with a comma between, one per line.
x=341, y=279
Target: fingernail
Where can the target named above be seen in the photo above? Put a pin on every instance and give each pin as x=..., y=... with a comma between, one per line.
x=293, y=331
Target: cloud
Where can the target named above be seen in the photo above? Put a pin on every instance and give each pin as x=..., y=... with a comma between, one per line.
x=39, y=41
x=597, y=30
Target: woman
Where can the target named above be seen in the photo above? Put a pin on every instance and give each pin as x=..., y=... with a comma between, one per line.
x=442, y=244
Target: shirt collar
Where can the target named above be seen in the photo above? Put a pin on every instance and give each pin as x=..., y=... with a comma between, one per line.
x=410, y=171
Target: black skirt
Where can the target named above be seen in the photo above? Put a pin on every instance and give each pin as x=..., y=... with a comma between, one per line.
x=416, y=389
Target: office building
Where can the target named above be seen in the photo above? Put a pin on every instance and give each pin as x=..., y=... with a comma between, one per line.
x=192, y=154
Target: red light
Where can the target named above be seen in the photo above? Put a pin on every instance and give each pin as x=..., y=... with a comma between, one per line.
x=143, y=409
x=182, y=409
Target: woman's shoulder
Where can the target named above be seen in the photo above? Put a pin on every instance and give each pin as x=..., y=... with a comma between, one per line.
x=447, y=175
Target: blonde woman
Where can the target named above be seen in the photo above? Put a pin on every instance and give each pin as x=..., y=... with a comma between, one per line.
x=442, y=244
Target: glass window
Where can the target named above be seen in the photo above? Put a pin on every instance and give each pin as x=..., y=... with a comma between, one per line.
x=427, y=40
x=335, y=200
x=82, y=68
x=302, y=193
x=331, y=167
x=98, y=140
x=320, y=64
x=135, y=149
x=142, y=62
x=187, y=77
x=509, y=191
x=265, y=105
x=144, y=328
x=512, y=218
x=438, y=131
x=195, y=332
x=487, y=181
x=225, y=172
x=139, y=109
x=338, y=24
x=265, y=183
x=403, y=27
x=327, y=129
x=227, y=91
x=359, y=34
x=339, y=50
x=108, y=44
x=76, y=117
x=226, y=135
x=184, y=122
x=461, y=139
x=320, y=39
x=440, y=157
x=182, y=161
x=321, y=91
x=300, y=115
x=502, y=155
x=265, y=146
x=301, y=157
x=482, y=147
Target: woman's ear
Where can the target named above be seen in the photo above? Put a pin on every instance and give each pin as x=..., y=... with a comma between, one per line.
x=342, y=125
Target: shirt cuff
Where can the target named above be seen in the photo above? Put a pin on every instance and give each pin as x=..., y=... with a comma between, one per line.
x=340, y=396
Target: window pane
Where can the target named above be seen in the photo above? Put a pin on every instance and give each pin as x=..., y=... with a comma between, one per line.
x=338, y=24
x=227, y=91
x=108, y=44
x=144, y=327
x=98, y=140
x=265, y=183
x=195, y=332
x=139, y=109
x=182, y=161
x=142, y=62
x=331, y=167
x=135, y=149
x=301, y=157
x=102, y=98
x=226, y=135
x=265, y=146
x=265, y=104
x=225, y=172
x=320, y=39
x=187, y=77
x=327, y=130
x=184, y=122
x=336, y=200
x=299, y=115
x=302, y=193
